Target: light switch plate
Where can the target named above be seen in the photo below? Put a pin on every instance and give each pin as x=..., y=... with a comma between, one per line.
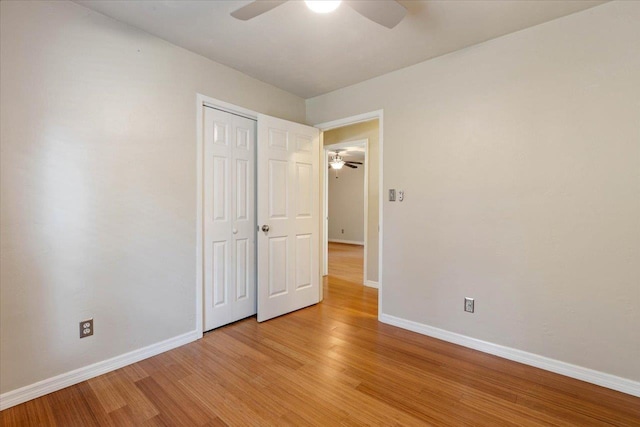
x=469, y=305
x=392, y=195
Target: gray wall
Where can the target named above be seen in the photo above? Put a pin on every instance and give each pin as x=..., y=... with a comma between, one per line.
x=520, y=159
x=98, y=214
x=346, y=204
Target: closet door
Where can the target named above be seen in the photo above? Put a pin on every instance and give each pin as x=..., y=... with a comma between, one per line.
x=229, y=218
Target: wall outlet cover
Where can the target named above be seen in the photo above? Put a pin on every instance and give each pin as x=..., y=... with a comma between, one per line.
x=86, y=328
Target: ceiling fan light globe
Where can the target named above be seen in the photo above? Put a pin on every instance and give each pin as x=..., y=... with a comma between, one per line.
x=323, y=6
x=337, y=165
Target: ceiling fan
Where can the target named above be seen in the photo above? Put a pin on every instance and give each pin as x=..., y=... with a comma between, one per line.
x=387, y=13
x=337, y=162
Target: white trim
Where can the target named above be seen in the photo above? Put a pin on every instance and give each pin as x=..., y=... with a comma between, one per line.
x=613, y=382
x=346, y=242
x=366, y=211
x=323, y=216
x=229, y=108
x=365, y=117
x=381, y=200
x=24, y=394
x=371, y=284
x=201, y=102
x=325, y=209
x=343, y=144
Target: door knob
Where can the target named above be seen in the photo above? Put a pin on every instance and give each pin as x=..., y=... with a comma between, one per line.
x=265, y=228
x=235, y=231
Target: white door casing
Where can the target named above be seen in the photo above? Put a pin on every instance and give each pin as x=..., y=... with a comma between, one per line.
x=229, y=218
x=288, y=180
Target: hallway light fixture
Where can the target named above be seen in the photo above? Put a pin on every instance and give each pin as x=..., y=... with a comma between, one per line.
x=336, y=162
x=323, y=6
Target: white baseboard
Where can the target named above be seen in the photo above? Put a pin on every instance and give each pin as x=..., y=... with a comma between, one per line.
x=23, y=394
x=371, y=284
x=348, y=242
x=589, y=375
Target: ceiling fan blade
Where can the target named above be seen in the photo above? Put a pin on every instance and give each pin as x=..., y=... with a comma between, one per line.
x=387, y=13
x=255, y=8
x=354, y=163
x=350, y=166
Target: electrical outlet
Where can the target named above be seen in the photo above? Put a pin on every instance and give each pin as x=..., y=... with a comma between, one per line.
x=468, y=305
x=86, y=328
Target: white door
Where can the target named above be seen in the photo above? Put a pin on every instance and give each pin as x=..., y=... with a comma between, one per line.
x=229, y=218
x=288, y=275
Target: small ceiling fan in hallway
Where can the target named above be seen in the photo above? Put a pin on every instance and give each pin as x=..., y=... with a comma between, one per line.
x=387, y=13
x=337, y=162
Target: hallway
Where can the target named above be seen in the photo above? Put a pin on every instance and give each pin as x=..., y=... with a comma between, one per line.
x=343, y=286
x=346, y=262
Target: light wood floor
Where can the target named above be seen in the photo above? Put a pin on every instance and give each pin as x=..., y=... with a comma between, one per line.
x=329, y=365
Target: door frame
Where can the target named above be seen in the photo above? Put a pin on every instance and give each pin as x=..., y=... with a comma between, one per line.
x=203, y=101
x=325, y=203
x=351, y=120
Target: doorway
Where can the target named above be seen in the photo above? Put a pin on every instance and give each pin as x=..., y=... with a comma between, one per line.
x=358, y=143
x=346, y=200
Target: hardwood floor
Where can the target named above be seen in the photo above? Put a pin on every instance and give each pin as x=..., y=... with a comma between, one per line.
x=331, y=364
x=346, y=262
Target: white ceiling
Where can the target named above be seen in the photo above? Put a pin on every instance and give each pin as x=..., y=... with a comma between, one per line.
x=309, y=54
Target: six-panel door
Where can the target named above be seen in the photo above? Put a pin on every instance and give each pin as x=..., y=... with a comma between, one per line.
x=229, y=218
x=288, y=265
